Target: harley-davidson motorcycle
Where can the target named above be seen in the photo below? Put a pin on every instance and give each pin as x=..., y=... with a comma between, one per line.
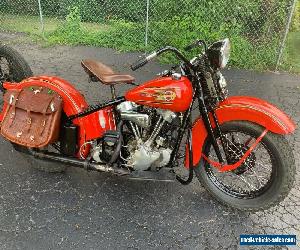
x=236, y=145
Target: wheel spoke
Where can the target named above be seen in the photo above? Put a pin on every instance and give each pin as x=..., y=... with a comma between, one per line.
x=252, y=175
x=256, y=175
x=244, y=180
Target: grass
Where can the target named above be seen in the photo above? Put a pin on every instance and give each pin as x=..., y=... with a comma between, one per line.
x=292, y=60
x=32, y=26
x=56, y=32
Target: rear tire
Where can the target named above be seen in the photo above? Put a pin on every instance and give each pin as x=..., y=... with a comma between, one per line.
x=283, y=165
x=18, y=67
x=13, y=67
x=39, y=164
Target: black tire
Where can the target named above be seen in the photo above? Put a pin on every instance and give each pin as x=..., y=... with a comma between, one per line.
x=283, y=165
x=19, y=67
x=41, y=165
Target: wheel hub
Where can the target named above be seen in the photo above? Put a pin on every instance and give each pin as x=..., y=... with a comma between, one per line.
x=235, y=156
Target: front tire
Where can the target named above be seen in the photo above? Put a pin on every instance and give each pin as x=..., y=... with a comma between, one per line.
x=275, y=189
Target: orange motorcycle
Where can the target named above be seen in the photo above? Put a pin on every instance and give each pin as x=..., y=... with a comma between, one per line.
x=236, y=145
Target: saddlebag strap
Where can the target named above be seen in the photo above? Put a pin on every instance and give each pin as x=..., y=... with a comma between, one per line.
x=28, y=121
x=44, y=112
x=12, y=102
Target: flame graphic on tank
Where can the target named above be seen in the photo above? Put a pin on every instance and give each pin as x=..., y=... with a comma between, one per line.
x=164, y=93
x=160, y=94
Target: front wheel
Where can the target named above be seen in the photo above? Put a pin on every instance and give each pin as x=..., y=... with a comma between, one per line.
x=263, y=180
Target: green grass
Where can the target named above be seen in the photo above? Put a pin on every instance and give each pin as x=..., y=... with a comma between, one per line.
x=292, y=57
x=32, y=26
x=74, y=32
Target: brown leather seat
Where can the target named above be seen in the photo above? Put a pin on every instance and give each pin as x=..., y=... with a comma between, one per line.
x=104, y=73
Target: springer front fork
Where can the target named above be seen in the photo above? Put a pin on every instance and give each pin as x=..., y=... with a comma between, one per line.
x=187, y=124
x=206, y=120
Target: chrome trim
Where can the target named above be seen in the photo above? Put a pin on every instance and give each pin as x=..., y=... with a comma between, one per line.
x=140, y=119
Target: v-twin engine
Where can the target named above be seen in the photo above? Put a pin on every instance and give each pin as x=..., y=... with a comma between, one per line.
x=147, y=149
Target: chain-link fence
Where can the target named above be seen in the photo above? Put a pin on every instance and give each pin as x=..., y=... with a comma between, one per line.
x=256, y=28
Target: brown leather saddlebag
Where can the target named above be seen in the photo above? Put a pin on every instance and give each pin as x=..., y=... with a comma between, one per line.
x=32, y=117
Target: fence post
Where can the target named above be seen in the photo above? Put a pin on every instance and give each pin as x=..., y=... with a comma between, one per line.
x=287, y=27
x=41, y=19
x=147, y=23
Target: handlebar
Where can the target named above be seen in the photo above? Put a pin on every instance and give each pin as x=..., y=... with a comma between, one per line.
x=140, y=63
x=145, y=60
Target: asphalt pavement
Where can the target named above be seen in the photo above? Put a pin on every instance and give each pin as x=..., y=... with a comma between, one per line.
x=90, y=210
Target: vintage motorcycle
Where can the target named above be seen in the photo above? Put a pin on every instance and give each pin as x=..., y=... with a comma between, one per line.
x=236, y=146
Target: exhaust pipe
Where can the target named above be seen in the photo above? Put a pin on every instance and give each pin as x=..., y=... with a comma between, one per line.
x=165, y=174
x=79, y=163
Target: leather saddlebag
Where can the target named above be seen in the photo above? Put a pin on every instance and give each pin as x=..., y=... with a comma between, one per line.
x=32, y=116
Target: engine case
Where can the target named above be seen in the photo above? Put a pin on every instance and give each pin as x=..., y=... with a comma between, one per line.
x=145, y=157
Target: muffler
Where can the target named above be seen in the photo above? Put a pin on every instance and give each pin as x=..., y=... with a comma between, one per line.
x=74, y=162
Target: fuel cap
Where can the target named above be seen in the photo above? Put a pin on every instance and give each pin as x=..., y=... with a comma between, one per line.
x=176, y=76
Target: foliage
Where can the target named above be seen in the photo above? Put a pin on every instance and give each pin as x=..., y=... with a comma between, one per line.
x=72, y=32
x=296, y=18
x=177, y=31
x=254, y=27
x=292, y=56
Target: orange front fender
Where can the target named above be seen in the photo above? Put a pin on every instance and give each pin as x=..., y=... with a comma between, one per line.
x=242, y=108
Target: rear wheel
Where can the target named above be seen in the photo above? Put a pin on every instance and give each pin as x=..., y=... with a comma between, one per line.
x=263, y=179
x=13, y=67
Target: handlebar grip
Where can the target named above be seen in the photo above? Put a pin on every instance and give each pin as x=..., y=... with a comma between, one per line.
x=143, y=61
x=138, y=64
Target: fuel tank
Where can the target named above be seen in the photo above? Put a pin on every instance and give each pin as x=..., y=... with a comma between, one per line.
x=163, y=92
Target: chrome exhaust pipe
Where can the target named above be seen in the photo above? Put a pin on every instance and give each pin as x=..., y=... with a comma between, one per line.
x=74, y=162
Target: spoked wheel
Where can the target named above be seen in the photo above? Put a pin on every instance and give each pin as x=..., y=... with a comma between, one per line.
x=13, y=67
x=262, y=180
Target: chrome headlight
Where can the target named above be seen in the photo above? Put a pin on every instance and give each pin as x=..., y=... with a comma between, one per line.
x=218, y=53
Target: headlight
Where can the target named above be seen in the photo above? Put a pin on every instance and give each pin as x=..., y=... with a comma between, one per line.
x=218, y=53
